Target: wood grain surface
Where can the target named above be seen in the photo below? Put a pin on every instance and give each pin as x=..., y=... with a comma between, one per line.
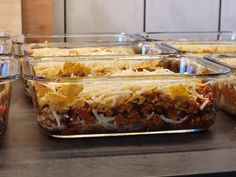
x=37, y=16
x=10, y=16
x=25, y=151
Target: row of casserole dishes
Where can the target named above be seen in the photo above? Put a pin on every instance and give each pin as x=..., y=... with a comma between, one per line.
x=118, y=84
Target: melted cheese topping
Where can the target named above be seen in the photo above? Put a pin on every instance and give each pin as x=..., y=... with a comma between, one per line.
x=130, y=72
x=195, y=48
x=99, y=68
x=224, y=87
x=81, y=51
x=104, y=96
x=228, y=61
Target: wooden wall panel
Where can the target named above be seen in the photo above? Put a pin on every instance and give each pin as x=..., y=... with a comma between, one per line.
x=37, y=16
x=10, y=16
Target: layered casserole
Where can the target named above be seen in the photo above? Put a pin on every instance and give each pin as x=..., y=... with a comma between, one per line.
x=92, y=96
x=74, y=45
x=197, y=43
x=9, y=71
x=47, y=51
x=226, y=88
x=206, y=48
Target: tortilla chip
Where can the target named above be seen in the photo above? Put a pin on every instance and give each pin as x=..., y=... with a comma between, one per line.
x=75, y=68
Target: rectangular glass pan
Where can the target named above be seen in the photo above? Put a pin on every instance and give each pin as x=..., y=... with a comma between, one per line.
x=87, y=44
x=226, y=88
x=89, y=37
x=71, y=49
x=188, y=36
x=5, y=49
x=120, y=38
x=227, y=60
x=5, y=36
x=84, y=97
x=201, y=44
x=5, y=44
x=9, y=72
x=204, y=48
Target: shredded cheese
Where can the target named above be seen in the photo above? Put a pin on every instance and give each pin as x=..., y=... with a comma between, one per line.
x=81, y=51
x=204, y=104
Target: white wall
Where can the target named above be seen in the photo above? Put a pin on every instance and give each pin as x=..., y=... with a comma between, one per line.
x=228, y=21
x=182, y=15
x=58, y=16
x=91, y=16
x=133, y=16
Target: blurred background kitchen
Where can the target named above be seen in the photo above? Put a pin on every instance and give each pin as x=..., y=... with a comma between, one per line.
x=130, y=16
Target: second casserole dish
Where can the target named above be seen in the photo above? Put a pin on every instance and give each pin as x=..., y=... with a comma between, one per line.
x=226, y=88
x=84, y=44
x=197, y=43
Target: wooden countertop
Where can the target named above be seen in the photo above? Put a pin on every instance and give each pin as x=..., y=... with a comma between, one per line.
x=26, y=151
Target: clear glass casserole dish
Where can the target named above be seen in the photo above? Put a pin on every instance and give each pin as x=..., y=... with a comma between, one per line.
x=5, y=44
x=78, y=39
x=5, y=49
x=188, y=36
x=5, y=36
x=197, y=43
x=87, y=97
x=86, y=44
x=95, y=49
x=9, y=71
x=226, y=88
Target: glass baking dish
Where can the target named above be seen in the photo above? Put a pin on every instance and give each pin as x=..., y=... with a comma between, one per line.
x=5, y=44
x=5, y=36
x=9, y=71
x=90, y=97
x=5, y=49
x=197, y=43
x=188, y=36
x=86, y=44
x=79, y=39
x=226, y=88
x=75, y=38
x=94, y=49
